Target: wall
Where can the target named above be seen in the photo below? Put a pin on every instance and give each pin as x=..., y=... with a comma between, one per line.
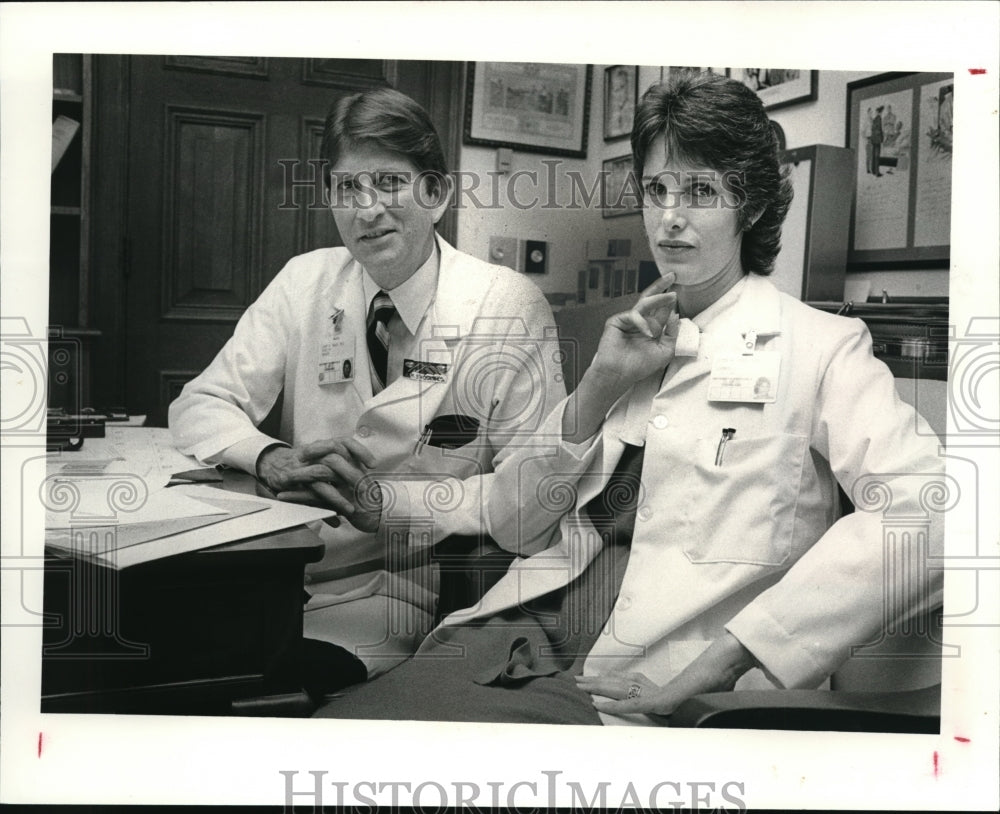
x=567, y=230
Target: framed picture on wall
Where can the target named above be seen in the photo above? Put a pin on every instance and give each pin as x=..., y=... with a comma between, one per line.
x=621, y=92
x=900, y=128
x=666, y=71
x=620, y=191
x=779, y=87
x=535, y=107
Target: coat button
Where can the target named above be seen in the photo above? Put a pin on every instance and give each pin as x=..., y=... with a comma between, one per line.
x=364, y=430
x=645, y=513
x=624, y=603
x=660, y=421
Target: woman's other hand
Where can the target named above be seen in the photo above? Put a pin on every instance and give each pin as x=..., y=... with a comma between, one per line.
x=716, y=670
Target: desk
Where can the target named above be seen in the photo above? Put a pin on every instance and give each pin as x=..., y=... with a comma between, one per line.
x=183, y=635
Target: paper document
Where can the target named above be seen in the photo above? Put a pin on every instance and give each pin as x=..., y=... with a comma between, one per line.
x=278, y=517
x=118, y=499
x=143, y=452
x=93, y=541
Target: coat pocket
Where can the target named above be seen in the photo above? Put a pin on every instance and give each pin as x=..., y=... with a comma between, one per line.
x=439, y=462
x=741, y=510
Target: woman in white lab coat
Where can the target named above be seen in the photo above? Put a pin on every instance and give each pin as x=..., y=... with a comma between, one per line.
x=689, y=515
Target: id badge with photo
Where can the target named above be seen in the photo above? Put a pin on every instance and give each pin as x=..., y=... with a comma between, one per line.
x=749, y=378
x=336, y=371
x=336, y=363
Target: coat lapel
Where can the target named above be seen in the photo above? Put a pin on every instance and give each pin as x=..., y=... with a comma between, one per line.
x=449, y=318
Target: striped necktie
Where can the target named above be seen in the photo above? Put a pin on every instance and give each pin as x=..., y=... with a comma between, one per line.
x=379, y=313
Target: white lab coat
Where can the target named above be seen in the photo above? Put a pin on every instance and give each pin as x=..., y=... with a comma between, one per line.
x=753, y=546
x=495, y=332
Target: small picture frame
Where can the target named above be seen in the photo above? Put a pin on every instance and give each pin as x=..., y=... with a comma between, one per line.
x=620, y=191
x=779, y=87
x=667, y=71
x=621, y=93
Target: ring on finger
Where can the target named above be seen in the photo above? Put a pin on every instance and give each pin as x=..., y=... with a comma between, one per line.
x=634, y=691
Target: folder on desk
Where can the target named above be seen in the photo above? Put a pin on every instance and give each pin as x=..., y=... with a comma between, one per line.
x=245, y=521
x=104, y=541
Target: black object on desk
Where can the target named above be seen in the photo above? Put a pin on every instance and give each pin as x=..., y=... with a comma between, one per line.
x=191, y=634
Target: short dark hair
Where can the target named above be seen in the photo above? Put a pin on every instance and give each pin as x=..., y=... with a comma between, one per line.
x=388, y=119
x=720, y=123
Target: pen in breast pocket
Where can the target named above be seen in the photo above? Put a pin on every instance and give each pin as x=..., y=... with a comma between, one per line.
x=423, y=439
x=727, y=435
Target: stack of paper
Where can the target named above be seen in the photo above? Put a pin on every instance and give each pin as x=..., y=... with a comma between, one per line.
x=109, y=502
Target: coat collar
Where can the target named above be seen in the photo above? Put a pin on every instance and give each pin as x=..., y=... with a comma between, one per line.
x=454, y=306
x=413, y=297
x=757, y=307
x=461, y=290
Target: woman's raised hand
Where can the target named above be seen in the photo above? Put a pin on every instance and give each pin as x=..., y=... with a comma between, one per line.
x=638, y=342
x=634, y=344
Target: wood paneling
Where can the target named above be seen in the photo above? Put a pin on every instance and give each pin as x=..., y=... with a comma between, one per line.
x=316, y=226
x=213, y=187
x=172, y=382
x=190, y=187
x=349, y=74
x=255, y=67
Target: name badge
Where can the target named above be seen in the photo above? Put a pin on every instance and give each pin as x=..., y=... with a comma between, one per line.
x=336, y=371
x=425, y=371
x=745, y=378
x=336, y=363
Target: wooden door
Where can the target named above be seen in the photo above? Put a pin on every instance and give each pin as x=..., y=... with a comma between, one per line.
x=210, y=213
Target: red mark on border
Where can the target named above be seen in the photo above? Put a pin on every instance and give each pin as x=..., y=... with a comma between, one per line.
x=936, y=764
x=960, y=739
x=39, y=744
x=977, y=71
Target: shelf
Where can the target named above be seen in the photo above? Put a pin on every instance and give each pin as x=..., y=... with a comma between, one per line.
x=63, y=95
x=67, y=210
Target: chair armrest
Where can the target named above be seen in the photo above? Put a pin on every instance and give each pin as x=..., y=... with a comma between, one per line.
x=910, y=711
x=283, y=705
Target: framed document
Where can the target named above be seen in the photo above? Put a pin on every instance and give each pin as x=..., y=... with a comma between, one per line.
x=779, y=87
x=621, y=93
x=536, y=107
x=900, y=127
x=620, y=192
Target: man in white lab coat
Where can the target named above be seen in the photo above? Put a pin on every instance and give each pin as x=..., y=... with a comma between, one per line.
x=406, y=368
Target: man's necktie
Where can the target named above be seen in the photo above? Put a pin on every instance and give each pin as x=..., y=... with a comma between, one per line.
x=379, y=313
